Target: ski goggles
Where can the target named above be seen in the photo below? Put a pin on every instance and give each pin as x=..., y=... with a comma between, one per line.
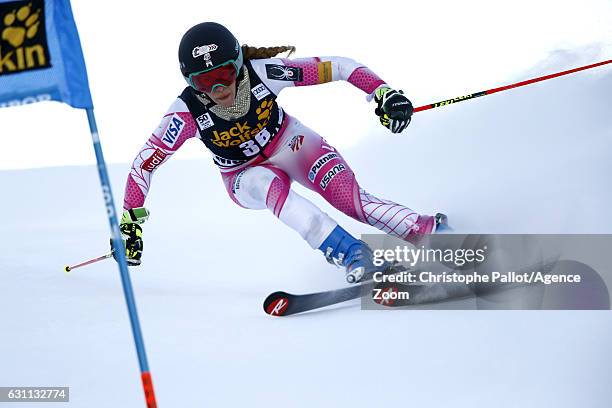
x=208, y=79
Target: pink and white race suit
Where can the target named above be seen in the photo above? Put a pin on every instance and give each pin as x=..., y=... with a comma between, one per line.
x=260, y=150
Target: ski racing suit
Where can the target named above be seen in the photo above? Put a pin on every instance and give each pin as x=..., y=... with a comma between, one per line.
x=260, y=150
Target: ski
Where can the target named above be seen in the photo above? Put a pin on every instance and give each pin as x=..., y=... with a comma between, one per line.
x=285, y=304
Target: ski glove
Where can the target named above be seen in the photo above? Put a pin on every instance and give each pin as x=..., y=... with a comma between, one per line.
x=394, y=109
x=131, y=233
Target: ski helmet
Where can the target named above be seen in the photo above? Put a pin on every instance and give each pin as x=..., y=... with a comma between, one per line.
x=207, y=46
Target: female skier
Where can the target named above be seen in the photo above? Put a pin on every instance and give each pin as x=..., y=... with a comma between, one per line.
x=230, y=104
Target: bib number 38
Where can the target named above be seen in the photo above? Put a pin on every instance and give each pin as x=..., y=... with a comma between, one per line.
x=251, y=148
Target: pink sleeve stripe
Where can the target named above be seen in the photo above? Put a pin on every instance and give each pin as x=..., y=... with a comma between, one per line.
x=310, y=70
x=134, y=196
x=366, y=80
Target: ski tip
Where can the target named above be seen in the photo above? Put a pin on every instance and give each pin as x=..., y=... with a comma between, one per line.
x=276, y=304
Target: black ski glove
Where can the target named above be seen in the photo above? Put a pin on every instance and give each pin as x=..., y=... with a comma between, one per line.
x=394, y=109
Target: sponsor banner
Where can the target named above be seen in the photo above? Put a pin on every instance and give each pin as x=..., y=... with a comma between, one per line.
x=260, y=91
x=40, y=54
x=26, y=100
x=226, y=163
x=237, y=180
x=283, y=73
x=23, y=37
x=173, y=130
x=319, y=163
x=155, y=160
x=205, y=121
x=242, y=131
x=329, y=176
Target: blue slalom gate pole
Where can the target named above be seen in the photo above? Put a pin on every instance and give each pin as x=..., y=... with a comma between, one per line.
x=147, y=382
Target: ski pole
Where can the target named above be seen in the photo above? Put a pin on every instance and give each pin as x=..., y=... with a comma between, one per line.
x=505, y=88
x=101, y=258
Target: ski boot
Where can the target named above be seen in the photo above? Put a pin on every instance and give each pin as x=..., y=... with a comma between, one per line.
x=342, y=249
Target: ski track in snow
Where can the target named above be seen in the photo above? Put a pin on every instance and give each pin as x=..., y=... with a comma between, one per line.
x=533, y=160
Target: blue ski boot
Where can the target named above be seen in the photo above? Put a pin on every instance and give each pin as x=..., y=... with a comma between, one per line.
x=342, y=249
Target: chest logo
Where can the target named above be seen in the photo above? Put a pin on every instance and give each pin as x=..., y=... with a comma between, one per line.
x=244, y=131
x=260, y=91
x=205, y=121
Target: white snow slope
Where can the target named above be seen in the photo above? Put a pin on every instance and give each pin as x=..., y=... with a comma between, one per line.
x=531, y=160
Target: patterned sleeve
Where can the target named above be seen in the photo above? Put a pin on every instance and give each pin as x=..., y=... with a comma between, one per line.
x=278, y=73
x=175, y=128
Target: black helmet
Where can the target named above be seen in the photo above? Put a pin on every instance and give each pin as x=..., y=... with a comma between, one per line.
x=206, y=46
